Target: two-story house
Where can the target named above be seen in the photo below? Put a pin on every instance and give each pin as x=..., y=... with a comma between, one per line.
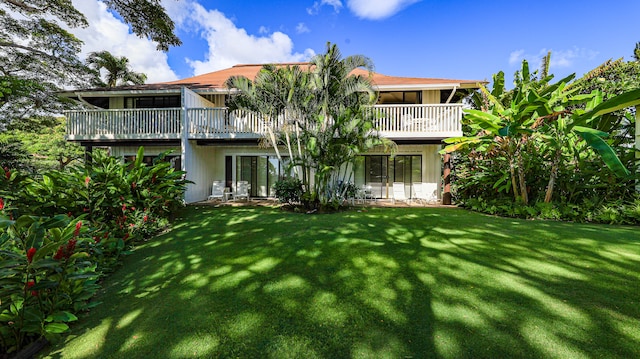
x=189, y=117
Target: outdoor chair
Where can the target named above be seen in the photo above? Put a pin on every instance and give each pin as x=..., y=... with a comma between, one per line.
x=242, y=190
x=430, y=191
x=217, y=191
x=425, y=193
x=418, y=193
x=398, y=193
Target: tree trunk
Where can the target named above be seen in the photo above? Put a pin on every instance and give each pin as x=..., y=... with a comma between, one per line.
x=553, y=176
x=521, y=179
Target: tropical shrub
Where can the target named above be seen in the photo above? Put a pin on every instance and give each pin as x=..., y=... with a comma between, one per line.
x=61, y=232
x=289, y=190
x=540, y=149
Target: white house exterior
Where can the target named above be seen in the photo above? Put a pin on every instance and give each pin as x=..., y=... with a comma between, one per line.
x=188, y=116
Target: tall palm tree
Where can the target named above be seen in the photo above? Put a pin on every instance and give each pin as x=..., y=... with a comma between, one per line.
x=318, y=113
x=117, y=67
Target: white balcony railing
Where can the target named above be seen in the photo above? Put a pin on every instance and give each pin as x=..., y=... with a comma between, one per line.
x=124, y=124
x=393, y=121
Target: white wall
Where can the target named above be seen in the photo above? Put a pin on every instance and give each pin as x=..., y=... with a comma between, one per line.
x=201, y=171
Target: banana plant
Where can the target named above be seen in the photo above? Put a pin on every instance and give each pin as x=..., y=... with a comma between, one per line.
x=536, y=109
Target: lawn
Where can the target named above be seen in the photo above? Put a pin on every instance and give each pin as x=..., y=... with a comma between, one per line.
x=243, y=282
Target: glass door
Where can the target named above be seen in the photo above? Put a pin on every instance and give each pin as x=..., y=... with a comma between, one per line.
x=377, y=175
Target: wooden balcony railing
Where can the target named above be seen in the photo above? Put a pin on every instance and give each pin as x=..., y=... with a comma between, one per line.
x=393, y=121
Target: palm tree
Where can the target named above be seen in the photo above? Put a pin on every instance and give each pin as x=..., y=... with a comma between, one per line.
x=118, y=71
x=318, y=114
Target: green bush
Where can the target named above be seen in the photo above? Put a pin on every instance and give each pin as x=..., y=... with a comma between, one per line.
x=289, y=190
x=61, y=232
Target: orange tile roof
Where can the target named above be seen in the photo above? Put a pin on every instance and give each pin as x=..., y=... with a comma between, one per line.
x=216, y=79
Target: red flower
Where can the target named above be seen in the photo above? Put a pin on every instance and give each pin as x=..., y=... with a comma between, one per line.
x=7, y=173
x=86, y=181
x=77, y=231
x=1, y=203
x=126, y=236
x=124, y=207
x=30, y=253
x=145, y=218
x=65, y=251
x=59, y=253
x=31, y=284
x=70, y=214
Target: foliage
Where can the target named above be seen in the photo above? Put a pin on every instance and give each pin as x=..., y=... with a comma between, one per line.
x=60, y=232
x=289, y=190
x=544, y=130
x=117, y=70
x=319, y=114
x=43, y=144
x=39, y=57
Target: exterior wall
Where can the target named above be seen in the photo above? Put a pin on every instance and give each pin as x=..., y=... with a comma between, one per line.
x=201, y=171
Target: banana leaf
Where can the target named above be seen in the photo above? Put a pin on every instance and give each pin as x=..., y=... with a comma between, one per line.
x=608, y=155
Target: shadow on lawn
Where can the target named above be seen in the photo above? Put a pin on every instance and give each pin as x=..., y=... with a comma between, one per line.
x=389, y=283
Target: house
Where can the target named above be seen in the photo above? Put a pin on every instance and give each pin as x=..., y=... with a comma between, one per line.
x=189, y=117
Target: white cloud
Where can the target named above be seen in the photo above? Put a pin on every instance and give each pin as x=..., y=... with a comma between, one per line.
x=263, y=30
x=230, y=45
x=301, y=28
x=515, y=57
x=315, y=8
x=377, y=9
x=105, y=32
x=559, y=58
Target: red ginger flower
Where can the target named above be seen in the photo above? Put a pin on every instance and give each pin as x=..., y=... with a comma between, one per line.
x=1, y=203
x=65, y=251
x=77, y=231
x=30, y=253
x=59, y=253
x=31, y=284
x=86, y=181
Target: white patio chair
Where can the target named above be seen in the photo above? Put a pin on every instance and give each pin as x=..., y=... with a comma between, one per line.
x=217, y=191
x=418, y=193
x=430, y=191
x=398, y=193
x=242, y=190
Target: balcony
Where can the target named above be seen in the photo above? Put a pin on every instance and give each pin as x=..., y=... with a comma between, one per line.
x=393, y=121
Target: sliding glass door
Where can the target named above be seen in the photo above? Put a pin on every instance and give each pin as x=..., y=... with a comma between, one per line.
x=261, y=172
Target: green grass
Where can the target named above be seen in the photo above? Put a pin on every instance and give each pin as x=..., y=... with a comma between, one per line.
x=240, y=282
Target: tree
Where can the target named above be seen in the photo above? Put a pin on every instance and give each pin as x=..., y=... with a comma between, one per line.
x=38, y=56
x=319, y=114
x=117, y=70
x=549, y=117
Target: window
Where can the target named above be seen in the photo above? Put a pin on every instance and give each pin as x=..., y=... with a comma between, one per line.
x=152, y=102
x=400, y=97
x=102, y=102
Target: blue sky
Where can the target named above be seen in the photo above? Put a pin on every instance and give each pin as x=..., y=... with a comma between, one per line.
x=450, y=39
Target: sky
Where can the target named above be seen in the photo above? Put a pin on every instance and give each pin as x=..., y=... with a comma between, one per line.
x=463, y=39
